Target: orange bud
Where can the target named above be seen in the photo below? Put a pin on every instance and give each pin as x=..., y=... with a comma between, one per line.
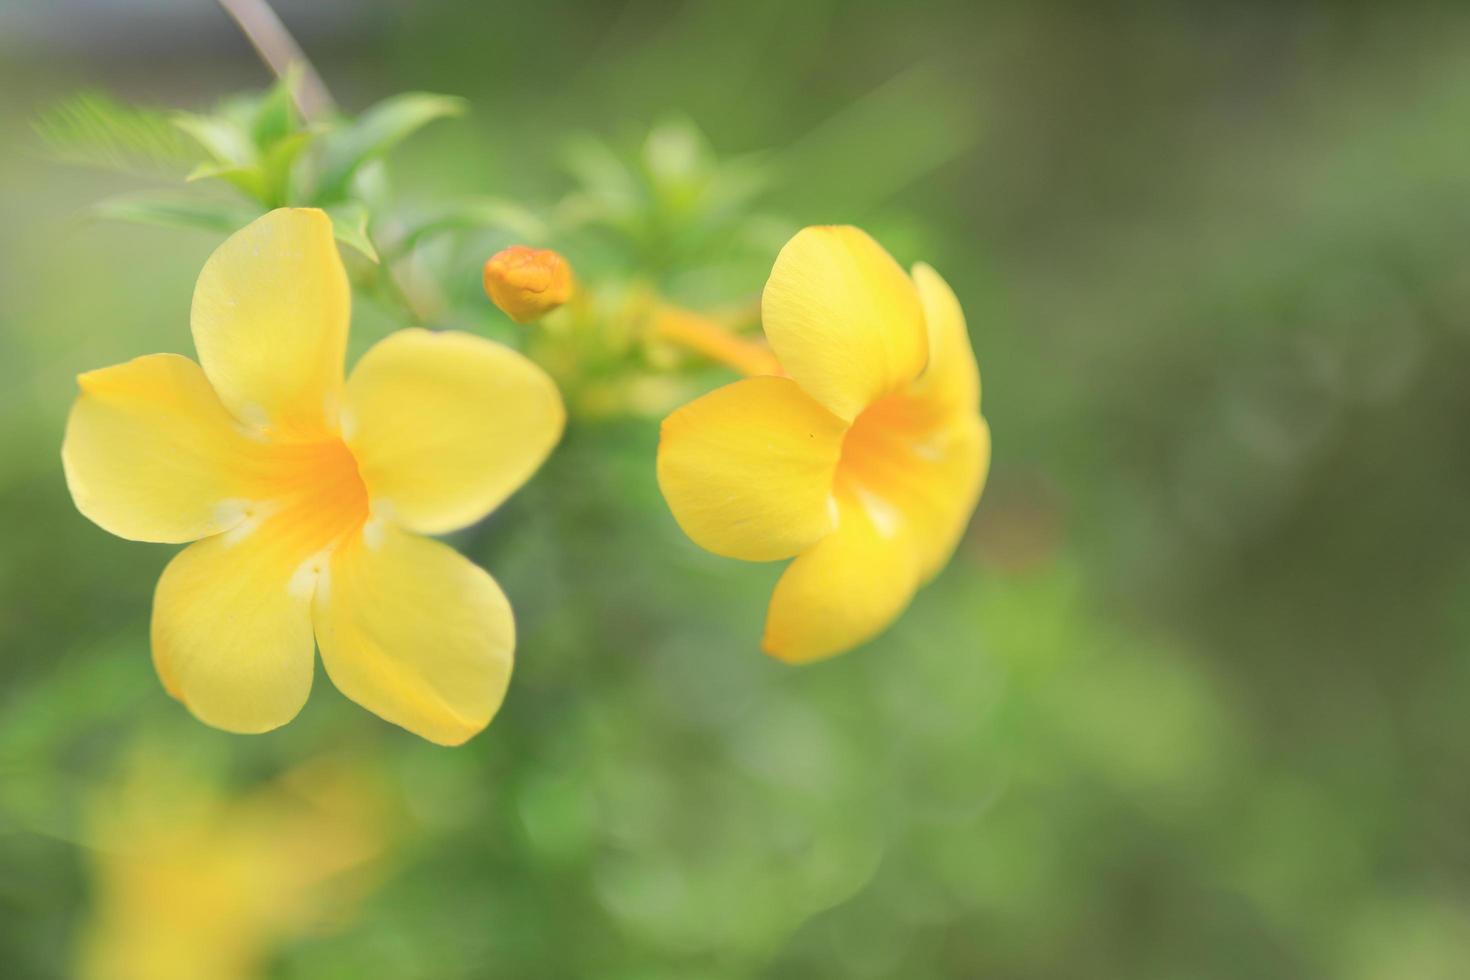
x=527, y=283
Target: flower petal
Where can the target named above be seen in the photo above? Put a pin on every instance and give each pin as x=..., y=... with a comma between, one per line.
x=747, y=469
x=232, y=630
x=926, y=465
x=952, y=379
x=940, y=488
x=150, y=454
x=415, y=633
x=847, y=588
x=445, y=426
x=843, y=318
x=270, y=322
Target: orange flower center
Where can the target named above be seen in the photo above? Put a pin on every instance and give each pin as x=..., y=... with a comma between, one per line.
x=312, y=495
x=883, y=446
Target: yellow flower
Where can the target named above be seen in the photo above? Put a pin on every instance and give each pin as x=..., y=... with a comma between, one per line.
x=864, y=462
x=306, y=494
x=191, y=884
x=527, y=283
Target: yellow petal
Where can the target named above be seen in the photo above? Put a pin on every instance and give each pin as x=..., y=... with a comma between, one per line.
x=445, y=426
x=150, y=454
x=944, y=480
x=232, y=629
x=926, y=450
x=847, y=588
x=415, y=633
x=843, y=318
x=925, y=463
x=747, y=469
x=270, y=322
x=952, y=379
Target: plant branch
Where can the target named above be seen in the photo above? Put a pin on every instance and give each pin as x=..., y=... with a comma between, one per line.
x=279, y=50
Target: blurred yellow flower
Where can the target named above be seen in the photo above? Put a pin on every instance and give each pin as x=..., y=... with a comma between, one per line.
x=306, y=494
x=527, y=283
x=190, y=885
x=865, y=461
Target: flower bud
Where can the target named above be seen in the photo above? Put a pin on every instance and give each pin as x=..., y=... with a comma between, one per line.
x=527, y=283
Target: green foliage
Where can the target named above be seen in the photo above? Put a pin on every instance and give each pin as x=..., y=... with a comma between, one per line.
x=350, y=225
x=93, y=129
x=258, y=145
x=351, y=145
x=168, y=209
x=472, y=214
x=670, y=204
x=253, y=142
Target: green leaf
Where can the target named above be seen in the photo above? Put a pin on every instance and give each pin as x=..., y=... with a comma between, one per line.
x=224, y=139
x=475, y=213
x=375, y=132
x=248, y=180
x=603, y=176
x=675, y=152
x=172, y=210
x=263, y=172
x=349, y=225
x=92, y=129
x=275, y=116
x=277, y=166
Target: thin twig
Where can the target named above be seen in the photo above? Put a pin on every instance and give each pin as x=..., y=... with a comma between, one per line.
x=279, y=50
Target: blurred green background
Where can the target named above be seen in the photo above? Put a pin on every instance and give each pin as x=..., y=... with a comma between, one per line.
x=1189, y=702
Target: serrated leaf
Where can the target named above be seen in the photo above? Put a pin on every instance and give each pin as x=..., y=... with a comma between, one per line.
x=375, y=132
x=349, y=225
x=92, y=129
x=175, y=211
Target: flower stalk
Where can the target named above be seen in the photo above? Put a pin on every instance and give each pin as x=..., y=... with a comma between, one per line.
x=703, y=336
